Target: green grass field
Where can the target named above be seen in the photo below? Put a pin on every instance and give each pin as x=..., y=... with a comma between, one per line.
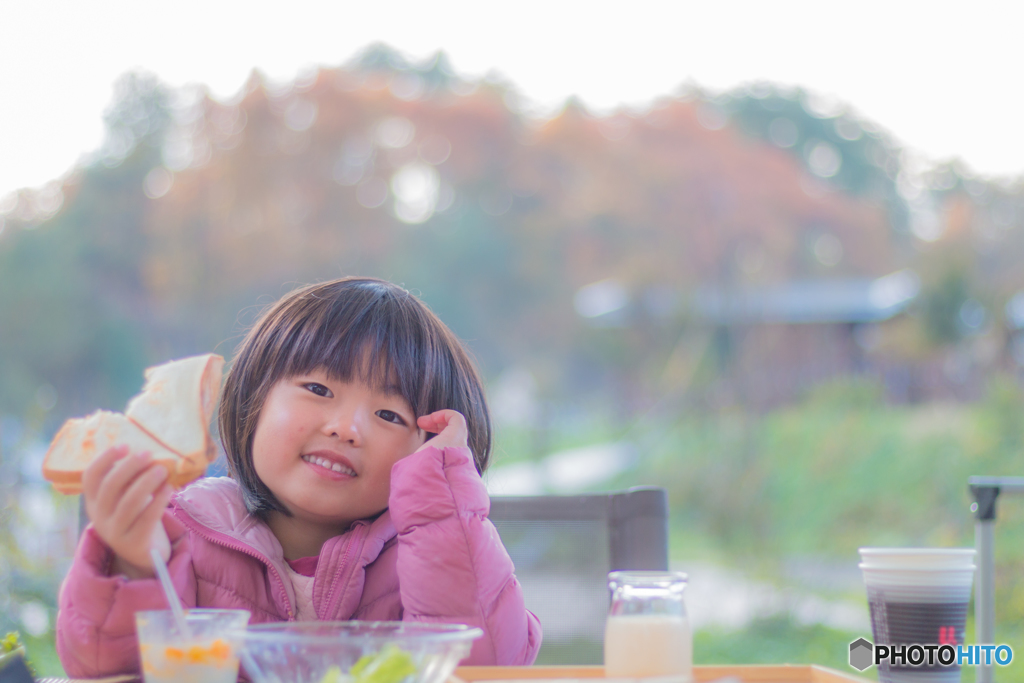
x=820, y=479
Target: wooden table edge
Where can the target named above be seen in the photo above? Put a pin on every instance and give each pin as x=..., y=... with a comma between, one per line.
x=747, y=673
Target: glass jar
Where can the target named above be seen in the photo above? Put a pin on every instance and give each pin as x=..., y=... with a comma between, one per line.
x=648, y=631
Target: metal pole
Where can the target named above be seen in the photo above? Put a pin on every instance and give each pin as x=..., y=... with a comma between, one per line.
x=985, y=491
x=984, y=593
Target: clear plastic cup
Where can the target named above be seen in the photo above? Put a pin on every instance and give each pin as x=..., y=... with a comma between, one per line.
x=207, y=654
x=918, y=596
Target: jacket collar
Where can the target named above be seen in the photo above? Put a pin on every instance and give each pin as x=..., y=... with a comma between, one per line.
x=216, y=503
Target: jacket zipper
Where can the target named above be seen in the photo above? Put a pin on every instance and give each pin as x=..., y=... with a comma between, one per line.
x=345, y=563
x=247, y=550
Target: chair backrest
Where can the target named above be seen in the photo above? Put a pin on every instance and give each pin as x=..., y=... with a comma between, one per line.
x=563, y=548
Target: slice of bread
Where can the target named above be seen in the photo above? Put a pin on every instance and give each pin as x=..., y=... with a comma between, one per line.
x=170, y=419
x=178, y=396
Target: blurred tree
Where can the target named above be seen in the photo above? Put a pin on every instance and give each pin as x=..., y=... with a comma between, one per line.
x=71, y=284
x=139, y=116
x=942, y=302
x=826, y=137
x=303, y=182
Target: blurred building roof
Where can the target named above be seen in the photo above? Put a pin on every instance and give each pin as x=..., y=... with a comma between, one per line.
x=809, y=301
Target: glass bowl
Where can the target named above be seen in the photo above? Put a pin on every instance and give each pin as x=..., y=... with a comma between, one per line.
x=355, y=651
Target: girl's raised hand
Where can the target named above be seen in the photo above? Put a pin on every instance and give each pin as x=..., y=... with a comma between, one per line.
x=448, y=425
x=125, y=497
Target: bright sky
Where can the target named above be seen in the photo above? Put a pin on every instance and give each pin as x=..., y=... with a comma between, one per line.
x=943, y=77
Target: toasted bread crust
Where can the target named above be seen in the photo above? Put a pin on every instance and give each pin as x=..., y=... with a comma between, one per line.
x=88, y=437
x=62, y=477
x=70, y=483
x=179, y=392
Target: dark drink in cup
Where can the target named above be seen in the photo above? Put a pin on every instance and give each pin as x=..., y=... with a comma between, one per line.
x=918, y=623
x=918, y=596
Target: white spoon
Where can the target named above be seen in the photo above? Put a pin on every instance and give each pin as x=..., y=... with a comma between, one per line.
x=172, y=597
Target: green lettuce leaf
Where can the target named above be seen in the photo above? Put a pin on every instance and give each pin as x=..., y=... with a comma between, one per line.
x=390, y=665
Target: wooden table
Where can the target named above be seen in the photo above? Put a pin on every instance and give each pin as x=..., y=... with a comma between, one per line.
x=780, y=673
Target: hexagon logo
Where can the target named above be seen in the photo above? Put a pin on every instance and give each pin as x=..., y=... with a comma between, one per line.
x=861, y=652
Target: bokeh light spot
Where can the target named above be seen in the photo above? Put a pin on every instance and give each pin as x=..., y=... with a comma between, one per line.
x=372, y=193
x=828, y=250
x=711, y=116
x=925, y=223
x=48, y=200
x=823, y=106
x=407, y=86
x=9, y=202
x=395, y=132
x=847, y=129
x=300, y=115
x=972, y=315
x=908, y=187
x=158, y=182
x=600, y=298
x=229, y=120
x=824, y=160
x=415, y=187
x=943, y=179
x=177, y=152
x=35, y=618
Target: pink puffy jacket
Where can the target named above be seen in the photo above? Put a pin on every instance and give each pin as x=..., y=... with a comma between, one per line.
x=432, y=556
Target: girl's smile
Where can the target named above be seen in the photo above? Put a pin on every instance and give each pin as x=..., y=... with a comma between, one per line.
x=328, y=463
x=325, y=448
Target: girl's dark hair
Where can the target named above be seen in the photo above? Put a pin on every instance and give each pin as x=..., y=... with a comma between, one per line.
x=361, y=328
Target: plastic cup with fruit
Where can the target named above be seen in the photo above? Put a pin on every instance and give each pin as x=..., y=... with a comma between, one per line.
x=208, y=653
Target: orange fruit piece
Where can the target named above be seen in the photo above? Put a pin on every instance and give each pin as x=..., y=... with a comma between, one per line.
x=197, y=654
x=220, y=649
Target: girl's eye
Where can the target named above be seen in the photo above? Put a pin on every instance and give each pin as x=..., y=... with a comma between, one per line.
x=390, y=416
x=319, y=389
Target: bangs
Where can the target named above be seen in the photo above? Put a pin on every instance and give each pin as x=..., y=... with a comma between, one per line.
x=352, y=329
x=376, y=337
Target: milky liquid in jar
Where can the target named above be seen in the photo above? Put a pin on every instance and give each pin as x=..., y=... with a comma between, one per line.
x=648, y=631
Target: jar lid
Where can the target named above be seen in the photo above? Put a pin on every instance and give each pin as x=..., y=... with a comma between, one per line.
x=646, y=578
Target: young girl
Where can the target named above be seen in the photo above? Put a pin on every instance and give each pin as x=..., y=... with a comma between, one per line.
x=356, y=429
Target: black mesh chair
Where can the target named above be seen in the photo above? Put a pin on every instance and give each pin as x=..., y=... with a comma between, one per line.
x=563, y=548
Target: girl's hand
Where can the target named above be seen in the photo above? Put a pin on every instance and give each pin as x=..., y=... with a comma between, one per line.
x=448, y=425
x=125, y=497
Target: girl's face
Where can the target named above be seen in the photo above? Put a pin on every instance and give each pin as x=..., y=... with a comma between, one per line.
x=325, y=447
